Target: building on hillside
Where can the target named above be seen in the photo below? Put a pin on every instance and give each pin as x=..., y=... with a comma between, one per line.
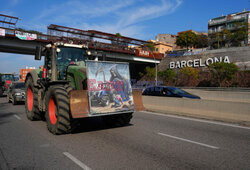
x=231, y=22
x=167, y=38
x=178, y=33
x=162, y=47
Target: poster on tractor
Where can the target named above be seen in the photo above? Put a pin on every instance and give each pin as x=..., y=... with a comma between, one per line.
x=109, y=87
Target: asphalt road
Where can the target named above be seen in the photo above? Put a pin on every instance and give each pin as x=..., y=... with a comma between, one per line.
x=152, y=141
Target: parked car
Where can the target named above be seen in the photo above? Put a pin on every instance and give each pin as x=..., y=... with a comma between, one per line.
x=16, y=93
x=167, y=92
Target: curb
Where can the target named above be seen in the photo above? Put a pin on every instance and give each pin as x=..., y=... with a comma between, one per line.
x=225, y=120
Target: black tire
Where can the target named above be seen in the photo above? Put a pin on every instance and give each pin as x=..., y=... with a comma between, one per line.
x=59, y=118
x=68, y=88
x=118, y=120
x=31, y=106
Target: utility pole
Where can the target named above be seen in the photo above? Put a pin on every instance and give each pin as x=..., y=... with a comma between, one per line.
x=156, y=79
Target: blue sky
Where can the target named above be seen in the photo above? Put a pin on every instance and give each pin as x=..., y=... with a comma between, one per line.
x=142, y=19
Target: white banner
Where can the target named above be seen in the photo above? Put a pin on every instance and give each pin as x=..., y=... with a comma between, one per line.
x=2, y=32
x=25, y=35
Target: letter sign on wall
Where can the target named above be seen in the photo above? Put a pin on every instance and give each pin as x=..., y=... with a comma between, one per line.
x=197, y=62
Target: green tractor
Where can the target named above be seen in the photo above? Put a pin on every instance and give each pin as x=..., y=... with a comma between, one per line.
x=60, y=92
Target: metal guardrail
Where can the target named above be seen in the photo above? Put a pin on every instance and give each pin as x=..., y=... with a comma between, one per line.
x=240, y=89
x=186, y=53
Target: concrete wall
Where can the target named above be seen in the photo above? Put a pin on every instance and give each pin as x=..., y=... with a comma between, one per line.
x=216, y=108
x=238, y=55
x=221, y=95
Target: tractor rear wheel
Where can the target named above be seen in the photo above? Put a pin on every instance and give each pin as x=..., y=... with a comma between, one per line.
x=117, y=120
x=31, y=101
x=58, y=110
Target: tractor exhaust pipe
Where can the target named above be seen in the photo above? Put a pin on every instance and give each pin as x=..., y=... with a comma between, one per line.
x=53, y=64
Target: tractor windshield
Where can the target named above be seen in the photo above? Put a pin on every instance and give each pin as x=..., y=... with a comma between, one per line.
x=68, y=56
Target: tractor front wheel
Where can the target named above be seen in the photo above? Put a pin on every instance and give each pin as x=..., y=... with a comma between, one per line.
x=58, y=110
x=31, y=100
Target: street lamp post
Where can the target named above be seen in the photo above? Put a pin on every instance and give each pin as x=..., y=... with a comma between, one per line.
x=156, y=81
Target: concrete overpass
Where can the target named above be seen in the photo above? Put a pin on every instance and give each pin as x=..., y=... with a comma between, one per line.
x=20, y=42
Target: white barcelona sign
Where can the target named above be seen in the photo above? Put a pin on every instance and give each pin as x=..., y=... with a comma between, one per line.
x=197, y=62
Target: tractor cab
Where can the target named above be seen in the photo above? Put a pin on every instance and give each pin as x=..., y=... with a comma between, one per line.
x=65, y=62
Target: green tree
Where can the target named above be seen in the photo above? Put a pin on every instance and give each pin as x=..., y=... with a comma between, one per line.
x=186, y=39
x=227, y=37
x=167, y=74
x=118, y=35
x=150, y=72
x=150, y=46
x=202, y=41
x=221, y=71
x=240, y=34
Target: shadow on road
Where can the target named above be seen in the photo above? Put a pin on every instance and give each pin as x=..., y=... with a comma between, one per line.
x=4, y=116
x=4, y=112
x=92, y=124
x=20, y=103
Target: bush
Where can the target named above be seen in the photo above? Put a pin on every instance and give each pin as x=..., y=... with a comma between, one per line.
x=149, y=72
x=167, y=74
x=222, y=71
x=190, y=72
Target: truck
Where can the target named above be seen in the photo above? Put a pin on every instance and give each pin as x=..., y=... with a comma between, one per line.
x=6, y=80
x=65, y=89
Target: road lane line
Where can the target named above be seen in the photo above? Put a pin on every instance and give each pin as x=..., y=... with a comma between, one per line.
x=198, y=120
x=17, y=117
x=190, y=141
x=75, y=160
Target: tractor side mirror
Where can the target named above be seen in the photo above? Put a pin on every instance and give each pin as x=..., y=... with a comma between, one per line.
x=38, y=54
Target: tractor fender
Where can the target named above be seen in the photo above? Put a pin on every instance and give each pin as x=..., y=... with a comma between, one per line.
x=34, y=76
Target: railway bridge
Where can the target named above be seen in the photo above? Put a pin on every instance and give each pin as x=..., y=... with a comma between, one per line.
x=101, y=45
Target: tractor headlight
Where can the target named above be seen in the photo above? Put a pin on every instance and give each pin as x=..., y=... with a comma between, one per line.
x=18, y=94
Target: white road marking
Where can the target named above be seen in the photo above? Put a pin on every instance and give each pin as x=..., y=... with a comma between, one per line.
x=75, y=160
x=198, y=120
x=17, y=117
x=190, y=141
